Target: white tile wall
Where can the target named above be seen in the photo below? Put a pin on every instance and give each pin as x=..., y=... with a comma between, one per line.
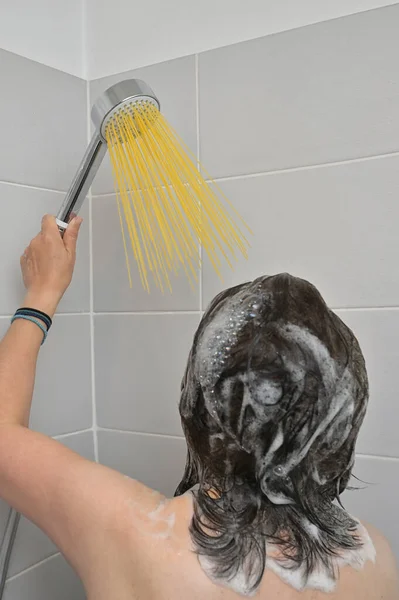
x=334, y=225
x=178, y=27
x=318, y=94
x=140, y=362
x=51, y=579
x=4, y=514
x=43, y=124
x=376, y=498
x=291, y=102
x=155, y=460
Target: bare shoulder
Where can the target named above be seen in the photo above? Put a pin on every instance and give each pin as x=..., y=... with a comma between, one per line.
x=385, y=572
x=383, y=548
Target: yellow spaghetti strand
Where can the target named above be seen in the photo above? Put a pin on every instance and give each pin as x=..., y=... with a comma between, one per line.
x=117, y=160
x=168, y=207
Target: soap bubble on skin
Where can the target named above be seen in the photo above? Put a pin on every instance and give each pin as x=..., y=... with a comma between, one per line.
x=157, y=523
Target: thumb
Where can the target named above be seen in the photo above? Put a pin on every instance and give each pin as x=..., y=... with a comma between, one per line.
x=71, y=234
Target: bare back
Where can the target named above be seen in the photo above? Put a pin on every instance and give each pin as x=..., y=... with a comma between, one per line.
x=152, y=559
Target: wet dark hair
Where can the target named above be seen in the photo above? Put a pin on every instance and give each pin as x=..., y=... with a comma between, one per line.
x=272, y=400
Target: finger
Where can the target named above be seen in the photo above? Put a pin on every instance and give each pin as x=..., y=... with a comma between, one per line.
x=71, y=234
x=28, y=249
x=49, y=225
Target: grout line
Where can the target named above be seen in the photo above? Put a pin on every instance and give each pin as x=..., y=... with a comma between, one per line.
x=197, y=116
x=181, y=437
x=91, y=277
x=290, y=169
x=84, y=48
x=231, y=177
x=199, y=311
x=336, y=163
x=61, y=436
x=71, y=314
x=110, y=194
x=197, y=106
x=378, y=456
x=149, y=313
x=38, y=564
x=32, y=187
x=363, y=308
x=93, y=371
x=145, y=433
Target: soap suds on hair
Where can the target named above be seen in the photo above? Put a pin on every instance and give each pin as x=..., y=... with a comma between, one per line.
x=320, y=579
x=239, y=583
x=272, y=400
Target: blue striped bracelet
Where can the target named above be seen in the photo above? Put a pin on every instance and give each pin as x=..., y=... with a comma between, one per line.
x=38, y=314
x=32, y=320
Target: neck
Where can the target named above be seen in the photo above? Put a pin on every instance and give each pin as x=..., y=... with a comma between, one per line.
x=238, y=536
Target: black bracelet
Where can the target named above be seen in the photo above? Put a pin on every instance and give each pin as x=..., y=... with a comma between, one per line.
x=37, y=314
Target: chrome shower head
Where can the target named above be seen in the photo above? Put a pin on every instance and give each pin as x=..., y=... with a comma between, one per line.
x=122, y=95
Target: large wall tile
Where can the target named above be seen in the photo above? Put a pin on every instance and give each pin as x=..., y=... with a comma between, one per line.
x=318, y=94
x=335, y=226
x=81, y=443
x=155, y=460
x=52, y=580
x=140, y=362
x=63, y=400
x=112, y=291
x=4, y=515
x=43, y=123
x=376, y=500
x=174, y=84
x=31, y=544
x=58, y=406
x=378, y=334
x=22, y=210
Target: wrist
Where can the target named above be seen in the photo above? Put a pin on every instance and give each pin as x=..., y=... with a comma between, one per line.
x=47, y=302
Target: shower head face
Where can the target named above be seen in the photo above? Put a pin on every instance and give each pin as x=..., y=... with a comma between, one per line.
x=124, y=94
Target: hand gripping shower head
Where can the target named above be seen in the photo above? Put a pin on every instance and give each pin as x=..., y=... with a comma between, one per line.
x=169, y=207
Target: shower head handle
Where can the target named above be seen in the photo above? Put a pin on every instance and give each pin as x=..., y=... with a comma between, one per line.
x=82, y=181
